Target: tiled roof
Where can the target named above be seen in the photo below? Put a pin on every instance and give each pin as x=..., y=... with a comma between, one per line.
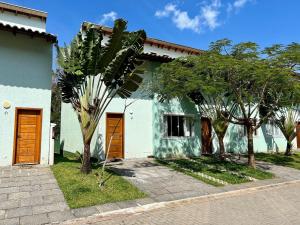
x=49, y=37
x=154, y=42
x=4, y=6
x=155, y=57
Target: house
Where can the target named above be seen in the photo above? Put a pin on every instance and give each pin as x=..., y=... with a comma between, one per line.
x=151, y=128
x=25, y=85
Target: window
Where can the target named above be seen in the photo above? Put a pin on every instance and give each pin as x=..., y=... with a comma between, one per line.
x=178, y=126
x=272, y=129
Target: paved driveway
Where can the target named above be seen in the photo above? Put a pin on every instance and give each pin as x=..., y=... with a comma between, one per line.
x=274, y=206
x=164, y=184
x=30, y=195
x=161, y=183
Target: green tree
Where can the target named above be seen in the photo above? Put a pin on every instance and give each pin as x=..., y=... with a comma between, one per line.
x=258, y=85
x=92, y=73
x=286, y=119
x=229, y=83
x=287, y=115
x=55, y=107
x=193, y=77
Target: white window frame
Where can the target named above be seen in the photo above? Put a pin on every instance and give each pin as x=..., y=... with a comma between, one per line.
x=185, y=127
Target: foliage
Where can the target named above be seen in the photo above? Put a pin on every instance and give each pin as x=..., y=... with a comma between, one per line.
x=92, y=73
x=280, y=159
x=286, y=119
x=229, y=172
x=192, y=77
x=234, y=83
x=55, y=107
x=82, y=190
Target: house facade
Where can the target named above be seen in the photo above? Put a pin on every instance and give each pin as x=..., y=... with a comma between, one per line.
x=25, y=85
x=152, y=128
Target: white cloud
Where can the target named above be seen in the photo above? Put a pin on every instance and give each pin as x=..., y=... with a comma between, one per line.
x=237, y=5
x=210, y=14
x=169, y=8
x=108, y=17
x=180, y=18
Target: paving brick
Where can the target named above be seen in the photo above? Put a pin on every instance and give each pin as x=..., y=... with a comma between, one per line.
x=60, y=206
x=31, y=201
x=127, y=204
x=3, y=197
x=44, y=181
x=107, y=207
x=2, y=214
x=13, y=221
x=9, y=204
x=9, y=190
x=30, y=188
x=34, y=219
x=49, y=186
x=83, y=212
x=273, y=206
x=17, y=212
x=60, y=216
x=18, y=195
x=46, y=192
x=53, y=198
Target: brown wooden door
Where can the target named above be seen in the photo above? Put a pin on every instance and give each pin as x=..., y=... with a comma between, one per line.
x=298, y=134
x=28, y=136
x=206, y=136
x=114, y=134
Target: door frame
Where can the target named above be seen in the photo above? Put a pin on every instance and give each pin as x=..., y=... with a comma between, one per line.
x=123, y=131
x=211, y=141
x=298, y=134
x=17, y=109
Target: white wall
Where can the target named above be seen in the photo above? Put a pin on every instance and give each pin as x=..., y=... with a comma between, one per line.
x=137, y=127
x=25, y=81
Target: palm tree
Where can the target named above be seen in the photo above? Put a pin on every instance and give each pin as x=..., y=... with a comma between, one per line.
x=286, y=119
x=91, y=73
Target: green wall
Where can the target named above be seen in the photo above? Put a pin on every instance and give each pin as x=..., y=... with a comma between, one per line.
x=25, y=81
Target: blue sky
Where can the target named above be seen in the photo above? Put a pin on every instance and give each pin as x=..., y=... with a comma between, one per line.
x=194, y=23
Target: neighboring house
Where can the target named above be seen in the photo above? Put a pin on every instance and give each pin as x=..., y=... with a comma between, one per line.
x=152, y=128
x=25, y=85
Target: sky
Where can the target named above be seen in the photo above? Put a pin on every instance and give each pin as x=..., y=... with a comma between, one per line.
x=194, y=23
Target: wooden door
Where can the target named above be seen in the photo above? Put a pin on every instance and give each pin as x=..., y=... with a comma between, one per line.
x=206, y=136
x=28, y=136
x=298, y=134
x=115, y=136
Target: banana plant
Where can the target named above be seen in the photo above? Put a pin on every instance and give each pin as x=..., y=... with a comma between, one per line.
x=286, y=118
x=92, y=72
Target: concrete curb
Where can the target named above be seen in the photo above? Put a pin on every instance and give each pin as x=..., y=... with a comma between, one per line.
x=153, y=206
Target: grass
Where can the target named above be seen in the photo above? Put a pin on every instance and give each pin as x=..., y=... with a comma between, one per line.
x=82, y=190
x=229, y=172
x=280, y=159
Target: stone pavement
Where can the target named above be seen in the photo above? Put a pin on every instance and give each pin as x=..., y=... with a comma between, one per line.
x=161, y=183
x=273, y=206
x=164, y=184
x=30, y=195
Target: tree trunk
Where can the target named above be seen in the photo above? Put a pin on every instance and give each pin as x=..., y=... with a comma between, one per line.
x=288, y=151
x=86, y=166
x=222, y=147
x=251, y=158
